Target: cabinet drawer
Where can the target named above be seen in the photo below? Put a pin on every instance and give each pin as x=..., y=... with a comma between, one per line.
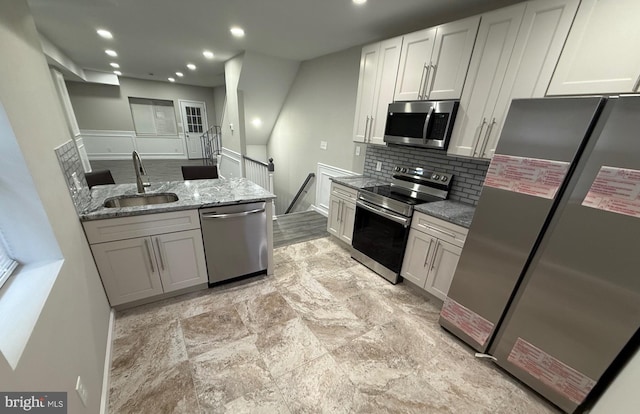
x=100, y=231
x=344, y=192
x=441, y=229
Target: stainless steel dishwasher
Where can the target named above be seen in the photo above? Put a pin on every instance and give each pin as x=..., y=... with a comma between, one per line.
x=235, y=240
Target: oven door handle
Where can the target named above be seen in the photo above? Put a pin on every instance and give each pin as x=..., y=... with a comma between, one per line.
x=393, y=217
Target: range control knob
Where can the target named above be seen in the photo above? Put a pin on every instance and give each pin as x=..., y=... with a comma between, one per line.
x=404, y=170
x=435, y=177
x=397, y=169
x=444, y=179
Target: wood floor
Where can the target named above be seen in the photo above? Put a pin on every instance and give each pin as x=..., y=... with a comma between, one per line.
x=298, y=227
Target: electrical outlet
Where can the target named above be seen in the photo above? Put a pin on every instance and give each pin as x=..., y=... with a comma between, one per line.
x=379, y=166
x=323, y=145
x=82, y=391
x=357, y=150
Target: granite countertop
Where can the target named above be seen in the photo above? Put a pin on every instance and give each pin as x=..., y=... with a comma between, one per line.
x=452, y=211
x=358, y=181
x=191, y=194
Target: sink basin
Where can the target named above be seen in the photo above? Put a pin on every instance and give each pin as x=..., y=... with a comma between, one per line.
x=140, y=200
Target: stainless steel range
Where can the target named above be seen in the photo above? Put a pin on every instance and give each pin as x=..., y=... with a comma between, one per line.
x=383, y=217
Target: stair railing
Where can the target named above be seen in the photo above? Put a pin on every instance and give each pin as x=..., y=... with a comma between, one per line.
x=260, y=173
x=301, y=191
x=211, y=142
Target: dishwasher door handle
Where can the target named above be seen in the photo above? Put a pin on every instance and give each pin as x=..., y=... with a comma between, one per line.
x=241, y=214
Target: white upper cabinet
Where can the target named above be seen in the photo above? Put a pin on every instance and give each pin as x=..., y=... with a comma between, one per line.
x=509, y=66
x=414, y=60
x=491, y=54
x=434, y=62
x=599, y=56
x=378, y=70
x=366, y=87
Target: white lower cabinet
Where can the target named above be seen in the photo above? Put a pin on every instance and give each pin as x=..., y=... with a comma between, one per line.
x=433, y=250
x=342, y=212
x=134, y=268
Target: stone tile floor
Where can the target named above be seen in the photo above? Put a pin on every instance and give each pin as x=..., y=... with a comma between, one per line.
x=322, y=335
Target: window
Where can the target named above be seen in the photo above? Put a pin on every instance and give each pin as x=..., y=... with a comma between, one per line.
x=153, y=117
x=7, y=264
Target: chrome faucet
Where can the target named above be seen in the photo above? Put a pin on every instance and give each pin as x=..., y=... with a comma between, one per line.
x=140, y=172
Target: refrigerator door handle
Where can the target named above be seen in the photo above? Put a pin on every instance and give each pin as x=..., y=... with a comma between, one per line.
x=475, y=149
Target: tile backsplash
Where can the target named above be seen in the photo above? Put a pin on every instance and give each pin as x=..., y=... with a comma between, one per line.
x=70, y=163
x=468, y=173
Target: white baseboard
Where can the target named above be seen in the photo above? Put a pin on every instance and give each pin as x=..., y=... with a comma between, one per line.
x=319, y=210
x=104, y=397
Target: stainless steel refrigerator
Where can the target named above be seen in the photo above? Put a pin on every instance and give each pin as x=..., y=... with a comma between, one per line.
x=549, y=278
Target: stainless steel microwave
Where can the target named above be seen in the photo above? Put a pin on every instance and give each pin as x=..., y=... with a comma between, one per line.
x=425, y=124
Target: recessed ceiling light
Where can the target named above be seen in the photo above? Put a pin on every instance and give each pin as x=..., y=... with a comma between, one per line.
x=257, y=122
x=237, y=31
x=359, y=1
x=171, y=79
x=207, y=54
x=179, y=74
x=111, y=53
x=114, y=65
x=104, y=33
x=191, y=66
x=117, y=72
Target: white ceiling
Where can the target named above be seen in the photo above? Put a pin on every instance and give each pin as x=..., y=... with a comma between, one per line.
x=161, y=36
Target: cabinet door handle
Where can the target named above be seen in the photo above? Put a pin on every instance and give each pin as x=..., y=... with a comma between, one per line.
x=487, y=137
x=475, y=149
x=160, y=252
x=422, y=77
x=425, y=94
x=366, y=126
x=426, y=259
x=435, y=254
x=370, y=127
x=146, y=245
x=339, y=209
x=637, y=85
x=433, y=79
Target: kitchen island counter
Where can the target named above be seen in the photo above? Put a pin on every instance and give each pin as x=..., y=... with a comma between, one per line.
x=358, y=181
x=192, y=194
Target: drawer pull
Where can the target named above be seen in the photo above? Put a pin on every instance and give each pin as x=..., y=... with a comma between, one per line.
x=452, y=235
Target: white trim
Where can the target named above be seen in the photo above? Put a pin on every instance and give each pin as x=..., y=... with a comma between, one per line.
x=106, y=375
x=97, y=144
x=323, y=185
x=230, y=164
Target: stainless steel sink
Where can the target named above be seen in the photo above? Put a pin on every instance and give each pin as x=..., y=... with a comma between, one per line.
x=140, y=200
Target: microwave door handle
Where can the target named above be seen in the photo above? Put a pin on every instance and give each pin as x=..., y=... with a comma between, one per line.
x=425, y=129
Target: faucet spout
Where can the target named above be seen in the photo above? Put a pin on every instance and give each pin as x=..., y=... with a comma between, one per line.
x=140, y=172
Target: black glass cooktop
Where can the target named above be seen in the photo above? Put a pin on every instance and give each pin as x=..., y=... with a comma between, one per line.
x=385, y=191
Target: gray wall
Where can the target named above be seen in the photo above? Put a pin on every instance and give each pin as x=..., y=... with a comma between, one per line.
x=70, y=336
x=320, y=107
x=106, y=107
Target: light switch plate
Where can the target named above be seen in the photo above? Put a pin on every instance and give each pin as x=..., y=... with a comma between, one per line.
x=323, y=145
x=378, y=166
x=357, y=150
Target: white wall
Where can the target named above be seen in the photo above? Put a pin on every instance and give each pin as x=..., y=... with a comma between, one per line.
x=219, y=98
x=257, y=152
x=622, y=396
x=70, y=336
x=320, y=107
x=233, y=118
x=104, y=116
x=265, y=82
